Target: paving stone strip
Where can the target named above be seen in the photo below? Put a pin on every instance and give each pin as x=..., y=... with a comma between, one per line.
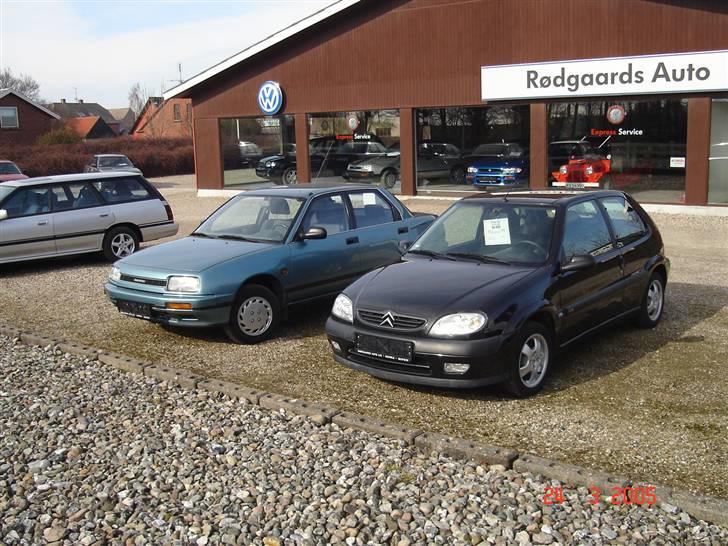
x=91, y=454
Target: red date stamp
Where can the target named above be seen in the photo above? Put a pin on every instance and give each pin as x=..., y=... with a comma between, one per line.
x=642, y=495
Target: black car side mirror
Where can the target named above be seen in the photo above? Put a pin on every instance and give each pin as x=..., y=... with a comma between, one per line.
x=580, y=262
x=314, y=233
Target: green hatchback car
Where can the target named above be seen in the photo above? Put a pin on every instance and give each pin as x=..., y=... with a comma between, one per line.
x=261, y=252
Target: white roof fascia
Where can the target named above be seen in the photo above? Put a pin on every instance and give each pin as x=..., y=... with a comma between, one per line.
x=6, y=92
x=261, y=46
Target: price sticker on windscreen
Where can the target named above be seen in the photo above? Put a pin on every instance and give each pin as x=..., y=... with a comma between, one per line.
x=496, y=232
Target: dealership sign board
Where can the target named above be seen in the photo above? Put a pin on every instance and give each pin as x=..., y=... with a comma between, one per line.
x=646, y=74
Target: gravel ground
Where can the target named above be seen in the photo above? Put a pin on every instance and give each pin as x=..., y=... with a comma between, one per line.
x=92, y=455
x=647, y=404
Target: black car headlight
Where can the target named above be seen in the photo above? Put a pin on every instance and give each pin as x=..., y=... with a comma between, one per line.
x=458, y=324
x=343, y=308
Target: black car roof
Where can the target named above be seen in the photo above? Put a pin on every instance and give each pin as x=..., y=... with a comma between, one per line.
x=543, y=197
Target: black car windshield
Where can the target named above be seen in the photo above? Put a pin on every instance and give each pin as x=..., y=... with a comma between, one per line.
x=116, y=161
x=258, y=218
x=9, y=168
x=491, y=232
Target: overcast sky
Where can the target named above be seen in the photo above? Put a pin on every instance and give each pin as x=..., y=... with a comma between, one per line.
x=101, y=47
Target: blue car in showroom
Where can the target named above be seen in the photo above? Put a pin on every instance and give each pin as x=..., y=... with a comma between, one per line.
x=497, y=165
x=261, y=252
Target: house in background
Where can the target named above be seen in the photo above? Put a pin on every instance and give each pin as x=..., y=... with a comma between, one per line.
x=81, y=109
x=164, y=119
x=90, y=127
x=22, y=121
x=125, y=117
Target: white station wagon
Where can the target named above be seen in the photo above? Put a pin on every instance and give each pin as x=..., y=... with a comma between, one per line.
x=78, y=213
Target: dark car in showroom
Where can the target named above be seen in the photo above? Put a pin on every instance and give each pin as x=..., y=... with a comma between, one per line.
x=500, y=283
x=504, y=165
x=434, y=160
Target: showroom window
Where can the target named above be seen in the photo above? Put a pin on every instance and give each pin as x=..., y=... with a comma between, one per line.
x=356, y=146
x=718, y=163
x=258, y=151
x=635, y=146
x=459, y=149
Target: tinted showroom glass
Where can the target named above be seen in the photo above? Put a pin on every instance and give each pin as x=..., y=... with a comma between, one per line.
x=261, y=218
x=585, y=231
x=28, y=201
x=509, y=232
x=121, y=190
x=626, y=222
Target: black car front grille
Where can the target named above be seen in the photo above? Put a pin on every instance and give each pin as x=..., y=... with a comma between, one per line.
x=490, y=170
x=143, y=280
x=413, y=368
x=389, y=320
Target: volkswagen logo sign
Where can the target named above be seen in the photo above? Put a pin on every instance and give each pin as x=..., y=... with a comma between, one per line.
x=270, y=98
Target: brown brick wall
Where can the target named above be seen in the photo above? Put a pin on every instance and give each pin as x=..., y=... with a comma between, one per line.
x=32, y=123
x=162, y=123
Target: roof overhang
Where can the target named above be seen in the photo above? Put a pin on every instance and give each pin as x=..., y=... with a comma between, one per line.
x=259, y=47
x=6, y=92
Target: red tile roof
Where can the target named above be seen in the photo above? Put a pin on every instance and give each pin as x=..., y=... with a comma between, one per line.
x=81, y=126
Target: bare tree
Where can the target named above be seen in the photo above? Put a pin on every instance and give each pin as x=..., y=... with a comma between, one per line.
x=138, y=96
x=23, y=84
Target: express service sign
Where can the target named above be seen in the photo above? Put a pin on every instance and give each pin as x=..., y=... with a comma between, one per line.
x=270, y=98
x=640, y=75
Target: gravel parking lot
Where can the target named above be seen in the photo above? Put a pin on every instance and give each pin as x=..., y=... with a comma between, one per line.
x=647, y=404
x=91, y=455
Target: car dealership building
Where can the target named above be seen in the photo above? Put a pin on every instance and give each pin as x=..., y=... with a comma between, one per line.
x=628, y=94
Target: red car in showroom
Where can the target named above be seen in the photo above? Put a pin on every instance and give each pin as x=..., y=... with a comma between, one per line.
x=583, y=173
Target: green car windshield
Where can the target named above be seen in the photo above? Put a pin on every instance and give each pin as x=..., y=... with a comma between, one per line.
x=499, y=232
x=257, y=218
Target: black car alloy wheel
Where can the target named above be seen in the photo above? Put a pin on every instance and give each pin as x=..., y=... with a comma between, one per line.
x=653, y=302
x=529, y=359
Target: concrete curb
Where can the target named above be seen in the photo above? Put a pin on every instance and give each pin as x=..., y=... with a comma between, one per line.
x=461, y=448
x=122, y=362
x=319, y=413
x=708, y=509
x=346, y=419
x=232, y=390
x=569, y=473
x=181, y=378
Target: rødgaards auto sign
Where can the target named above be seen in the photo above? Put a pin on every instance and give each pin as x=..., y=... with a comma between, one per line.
x=650, y=74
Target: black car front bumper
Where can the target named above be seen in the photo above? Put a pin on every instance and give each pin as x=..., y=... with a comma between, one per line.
x=486, y=356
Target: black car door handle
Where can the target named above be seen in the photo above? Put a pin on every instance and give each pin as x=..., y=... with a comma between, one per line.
x=403, y=230
x=352, y=240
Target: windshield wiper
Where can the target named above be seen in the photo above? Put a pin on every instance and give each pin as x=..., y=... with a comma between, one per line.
x=237, y=238
x=201, y=234
x=431, y=254
x=479, y=257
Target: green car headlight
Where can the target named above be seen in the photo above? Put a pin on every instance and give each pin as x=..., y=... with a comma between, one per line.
x=189, y=285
